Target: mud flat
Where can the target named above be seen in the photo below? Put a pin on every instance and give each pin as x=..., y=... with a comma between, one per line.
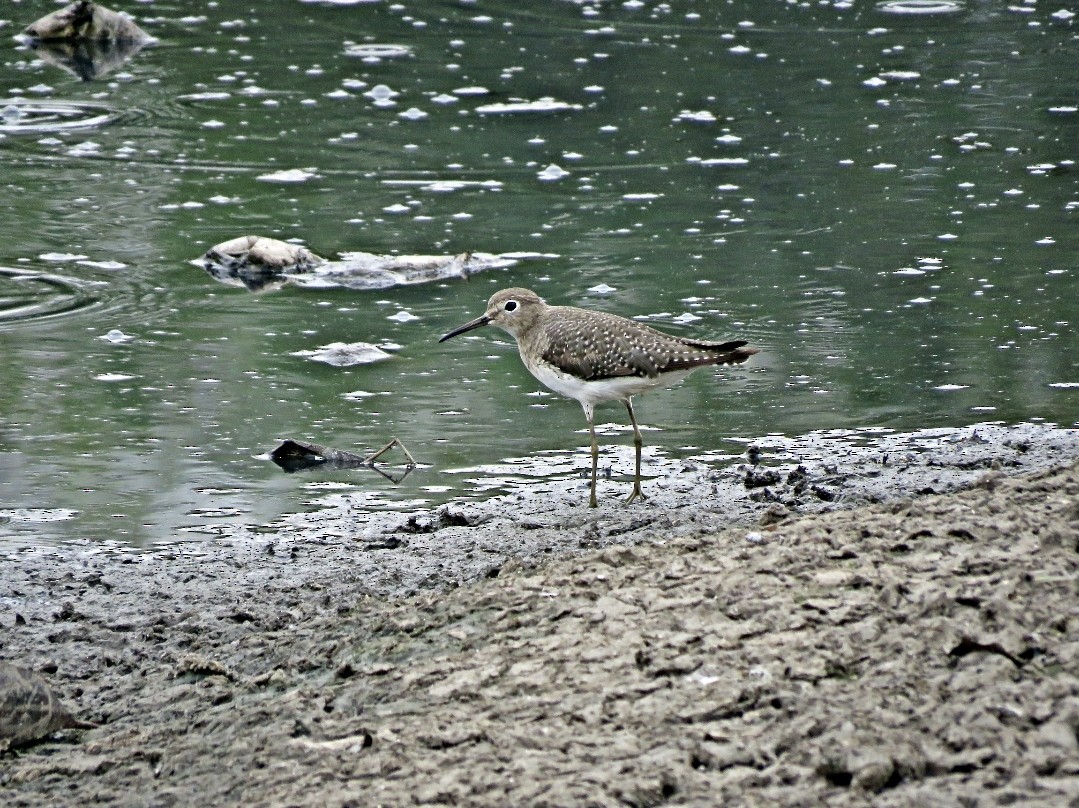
x=886, y=619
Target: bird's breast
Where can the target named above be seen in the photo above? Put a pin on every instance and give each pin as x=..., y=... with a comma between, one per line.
x=595, y=391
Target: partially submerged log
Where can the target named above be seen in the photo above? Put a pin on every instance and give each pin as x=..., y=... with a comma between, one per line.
x=259, y=263
x=295, y=455
x=87, y=21
x=364, y=270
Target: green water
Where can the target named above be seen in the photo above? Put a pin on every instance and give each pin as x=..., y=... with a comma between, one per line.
x=883, y=197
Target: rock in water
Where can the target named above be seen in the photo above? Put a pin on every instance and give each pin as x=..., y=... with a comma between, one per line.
x=85, y=20
x=257, y=262
x=29, y=710
x=268, y=252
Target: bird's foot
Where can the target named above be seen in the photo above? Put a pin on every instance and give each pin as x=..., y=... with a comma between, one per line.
x=636, y=494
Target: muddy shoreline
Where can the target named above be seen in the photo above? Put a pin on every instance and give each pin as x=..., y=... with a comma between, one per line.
x=893, y=616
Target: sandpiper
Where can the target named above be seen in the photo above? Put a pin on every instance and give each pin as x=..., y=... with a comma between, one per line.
x=593, y=356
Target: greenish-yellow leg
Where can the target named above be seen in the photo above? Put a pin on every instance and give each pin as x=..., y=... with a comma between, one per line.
x=638, y=441
x=595, y=463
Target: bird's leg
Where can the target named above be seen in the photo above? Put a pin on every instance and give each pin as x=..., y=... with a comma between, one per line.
x=592, y=503
x=638, y=441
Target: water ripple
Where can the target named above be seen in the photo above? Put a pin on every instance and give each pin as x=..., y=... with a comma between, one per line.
x=18, y=115
x=27, y=295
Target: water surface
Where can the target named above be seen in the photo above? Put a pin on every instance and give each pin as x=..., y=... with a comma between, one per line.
x=883, y=197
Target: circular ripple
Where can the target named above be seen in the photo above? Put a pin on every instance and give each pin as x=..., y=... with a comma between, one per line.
x=26, y=295
x=36, y=116
x=920, y=7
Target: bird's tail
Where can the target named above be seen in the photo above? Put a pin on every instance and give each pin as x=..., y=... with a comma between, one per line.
x=737, y=355
x=734, y=352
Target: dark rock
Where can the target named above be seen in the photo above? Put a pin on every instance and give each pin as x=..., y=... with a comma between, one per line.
x=85, y=20
x=760, y=479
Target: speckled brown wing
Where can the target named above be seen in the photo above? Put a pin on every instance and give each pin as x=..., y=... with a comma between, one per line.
x=596, y=345
x=29, y=710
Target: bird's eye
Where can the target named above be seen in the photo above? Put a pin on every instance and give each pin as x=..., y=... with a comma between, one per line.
x=511, y=305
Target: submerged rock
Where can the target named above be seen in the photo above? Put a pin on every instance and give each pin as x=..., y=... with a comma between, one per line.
x=260, y=263
x=29, y=710
x=85, y=20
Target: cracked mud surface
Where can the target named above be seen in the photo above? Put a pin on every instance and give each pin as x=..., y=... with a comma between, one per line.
x=894, y=623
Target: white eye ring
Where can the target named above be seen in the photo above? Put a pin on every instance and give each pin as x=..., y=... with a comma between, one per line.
x=511, y=305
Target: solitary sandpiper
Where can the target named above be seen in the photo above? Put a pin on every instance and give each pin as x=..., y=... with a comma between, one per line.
x=594, y=357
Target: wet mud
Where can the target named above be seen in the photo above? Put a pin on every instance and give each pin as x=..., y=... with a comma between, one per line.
x=845, y=620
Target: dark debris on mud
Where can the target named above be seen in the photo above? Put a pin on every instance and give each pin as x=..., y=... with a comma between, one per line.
x=923, y=650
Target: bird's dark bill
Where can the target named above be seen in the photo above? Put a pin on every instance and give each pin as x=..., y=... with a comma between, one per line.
x=477, y=323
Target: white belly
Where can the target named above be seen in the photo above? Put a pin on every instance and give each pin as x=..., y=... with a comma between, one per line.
x=591, y=393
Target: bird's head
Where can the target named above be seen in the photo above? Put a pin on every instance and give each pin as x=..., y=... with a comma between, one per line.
x=512, y=310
